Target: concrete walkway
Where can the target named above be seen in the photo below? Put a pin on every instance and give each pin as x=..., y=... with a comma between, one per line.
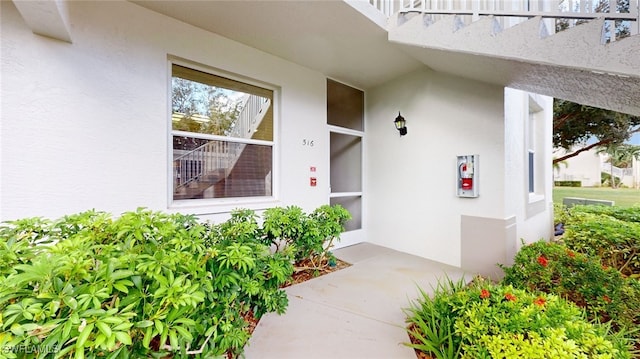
x=352, y=313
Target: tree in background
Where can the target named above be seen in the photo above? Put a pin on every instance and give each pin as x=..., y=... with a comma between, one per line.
x=203, y=109
x=621, y=156
x=197, y=101
x=621, y=27
x=575, y=124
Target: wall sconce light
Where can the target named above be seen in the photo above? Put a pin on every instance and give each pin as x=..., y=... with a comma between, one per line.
x=400, y=124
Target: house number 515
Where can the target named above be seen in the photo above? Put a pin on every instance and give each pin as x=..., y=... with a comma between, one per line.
x=306, y=142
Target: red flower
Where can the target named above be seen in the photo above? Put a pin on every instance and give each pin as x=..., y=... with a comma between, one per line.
x=484, y=294
x=606, y=298
x=571, y=254
x=510, y=297
x=540, y=301
x=543, y=261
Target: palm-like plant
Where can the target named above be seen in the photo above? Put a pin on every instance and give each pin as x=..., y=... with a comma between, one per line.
x=558, y=164
x=621, y=156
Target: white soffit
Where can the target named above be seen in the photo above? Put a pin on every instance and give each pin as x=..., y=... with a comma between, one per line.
x=331, y=36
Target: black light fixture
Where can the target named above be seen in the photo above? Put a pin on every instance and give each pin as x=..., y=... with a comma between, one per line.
x=400, y=124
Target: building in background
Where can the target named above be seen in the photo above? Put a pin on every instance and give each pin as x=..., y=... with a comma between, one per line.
x=588, y=167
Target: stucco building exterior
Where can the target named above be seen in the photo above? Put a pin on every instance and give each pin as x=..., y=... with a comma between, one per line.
x=86, y=120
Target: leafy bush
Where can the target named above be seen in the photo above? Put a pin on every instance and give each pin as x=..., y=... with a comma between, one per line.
x=431, y=321
x=310, y=237
x=556, y=269
x=568, y=183
x=560, y=213
x=611, y=233
x=628, y=214
x=498, y=321
x=143, y=284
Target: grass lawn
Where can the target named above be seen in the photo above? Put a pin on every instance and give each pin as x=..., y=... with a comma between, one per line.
x=623, y=197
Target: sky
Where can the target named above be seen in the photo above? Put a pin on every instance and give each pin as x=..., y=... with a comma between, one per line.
x=635, y=139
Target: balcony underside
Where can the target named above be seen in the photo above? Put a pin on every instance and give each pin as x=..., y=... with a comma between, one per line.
x=343, y=41
x=582, y=86
x=572, y=65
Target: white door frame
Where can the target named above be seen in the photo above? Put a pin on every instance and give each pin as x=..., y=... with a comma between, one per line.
x=355, y=236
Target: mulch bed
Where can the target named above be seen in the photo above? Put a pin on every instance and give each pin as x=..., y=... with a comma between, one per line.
x=303, y=275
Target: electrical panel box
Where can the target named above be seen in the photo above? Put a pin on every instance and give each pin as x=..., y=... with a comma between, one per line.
x=467, y=177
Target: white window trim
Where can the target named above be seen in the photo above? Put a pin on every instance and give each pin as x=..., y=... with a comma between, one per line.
x=536, y=198
x=222, y=205
x=205, y=136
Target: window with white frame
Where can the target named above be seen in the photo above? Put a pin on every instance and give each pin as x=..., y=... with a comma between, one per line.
x=222, y=136
x=531, y=153
x=534, y=142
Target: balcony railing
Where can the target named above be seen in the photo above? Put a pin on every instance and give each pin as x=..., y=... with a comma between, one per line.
x=558, y=14
x=616, y=171
x=215, y=154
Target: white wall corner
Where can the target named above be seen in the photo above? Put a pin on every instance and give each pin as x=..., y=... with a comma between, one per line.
x=46, y=17
x=487, y=243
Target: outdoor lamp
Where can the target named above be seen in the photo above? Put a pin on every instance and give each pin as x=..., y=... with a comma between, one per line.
x=400, y=124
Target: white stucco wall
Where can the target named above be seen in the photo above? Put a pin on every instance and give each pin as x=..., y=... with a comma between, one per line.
x=533, y=213
x=86, y=125
x=411, y=180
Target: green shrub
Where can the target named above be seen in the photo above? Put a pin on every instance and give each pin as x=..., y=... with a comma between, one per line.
x=310, y=237
x=610, y=233
x=628, y=214
x=568, y=183
x=431, y=321
x=555, y=269
x=560, y=213
x=144, y=284
x=497, y=321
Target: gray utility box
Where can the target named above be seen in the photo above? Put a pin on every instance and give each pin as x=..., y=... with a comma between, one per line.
x=573, y=201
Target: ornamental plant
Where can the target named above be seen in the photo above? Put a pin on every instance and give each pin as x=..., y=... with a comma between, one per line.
x=627, y=214
x=431, y=321
x=484, y=320
x=309, y=236
x=610, y=233
x=553, y=268
x=145, y=284
x=560, y=213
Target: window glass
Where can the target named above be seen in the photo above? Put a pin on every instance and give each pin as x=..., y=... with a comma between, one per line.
x=346, y=162
x=345, y=106
x=222, y=134
x=532, y=166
